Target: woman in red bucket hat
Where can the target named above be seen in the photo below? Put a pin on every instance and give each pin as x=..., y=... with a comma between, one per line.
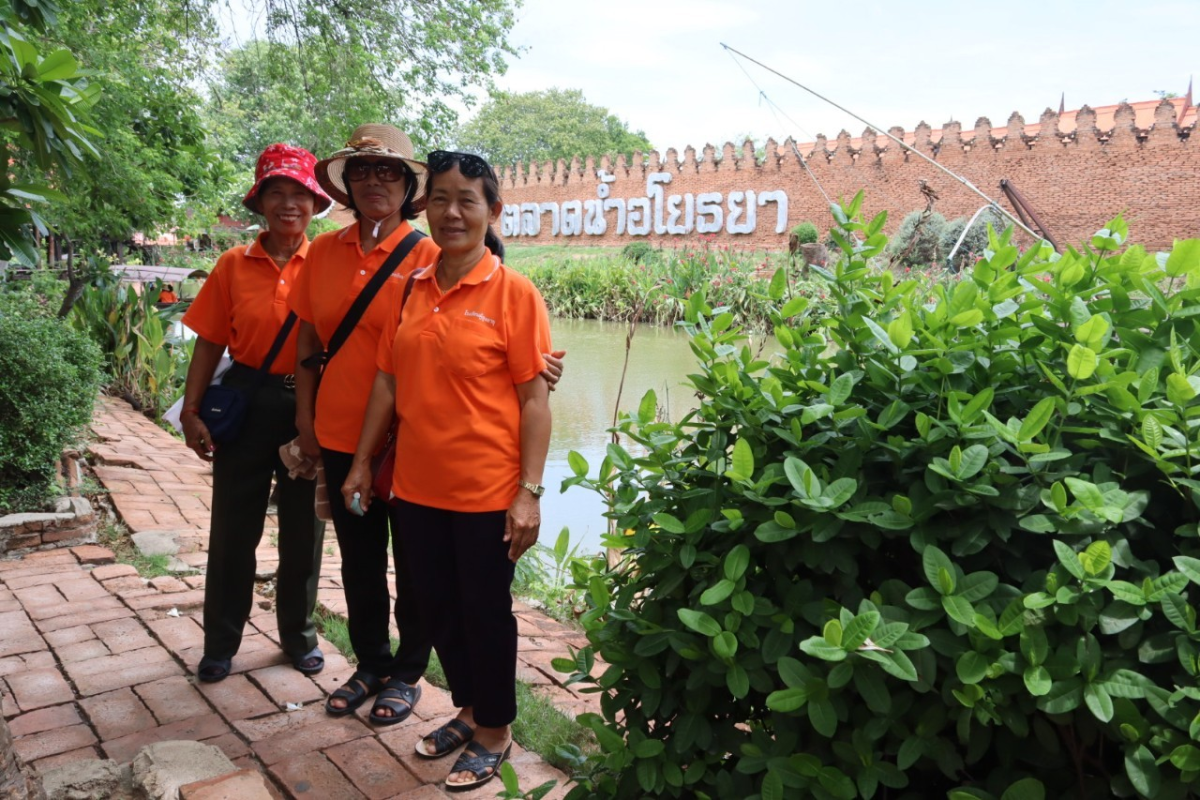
x=243, y=306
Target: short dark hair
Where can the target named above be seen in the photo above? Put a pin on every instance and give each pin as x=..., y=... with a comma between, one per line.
x=407, y=208
x=491, y=193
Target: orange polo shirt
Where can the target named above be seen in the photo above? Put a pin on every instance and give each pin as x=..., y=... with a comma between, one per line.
x=458, y=357
x=243, y=304
x=335, y=274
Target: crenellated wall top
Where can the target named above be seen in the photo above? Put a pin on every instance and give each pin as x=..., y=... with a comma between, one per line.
x=1146, y=122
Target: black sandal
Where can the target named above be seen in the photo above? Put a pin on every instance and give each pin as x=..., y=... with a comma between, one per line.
x=311, y=662
x=211, y=670
x=397, y=697
x=446, y=739
x=355, y=691
x=477, y=761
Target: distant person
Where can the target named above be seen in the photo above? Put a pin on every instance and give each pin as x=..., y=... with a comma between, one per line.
x=463, y=373
x=244, y=306
x=167, y=295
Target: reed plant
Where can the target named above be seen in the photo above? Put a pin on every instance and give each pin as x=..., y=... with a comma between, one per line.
x=655, y=286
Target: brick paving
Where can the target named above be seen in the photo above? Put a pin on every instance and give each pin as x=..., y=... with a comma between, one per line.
x=96, y=662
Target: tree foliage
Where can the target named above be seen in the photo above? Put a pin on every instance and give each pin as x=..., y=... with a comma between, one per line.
x=546, y=126
x=325, y=68
x=941, y=542
x=44, y=99
x=156, y=171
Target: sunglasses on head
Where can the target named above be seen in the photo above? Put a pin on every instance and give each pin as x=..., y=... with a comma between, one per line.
x=469, y=164
x=388, y=171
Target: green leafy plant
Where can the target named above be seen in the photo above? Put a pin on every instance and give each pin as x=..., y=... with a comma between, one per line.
x=806, y=233
x=974, y=243
x=943, y=542
x=147, y=365
x=917, y=242
x=48, y=383
x=512, y=786
x=638, y=252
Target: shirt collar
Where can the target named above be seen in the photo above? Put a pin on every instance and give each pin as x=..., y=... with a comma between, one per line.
x=256, y=250
x=482, y=272
x=352, y=234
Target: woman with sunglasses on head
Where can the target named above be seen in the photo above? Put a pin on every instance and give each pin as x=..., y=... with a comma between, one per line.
x=463, y=373
x=243, y=306
x=376, y=177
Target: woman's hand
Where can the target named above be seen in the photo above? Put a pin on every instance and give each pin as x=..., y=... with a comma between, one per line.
x=196, y=435
x=358, y=480
x=522, y=524
x=554, y=367
x=307, y=438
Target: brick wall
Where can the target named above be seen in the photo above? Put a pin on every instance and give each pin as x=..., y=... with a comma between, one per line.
x=1076, y=181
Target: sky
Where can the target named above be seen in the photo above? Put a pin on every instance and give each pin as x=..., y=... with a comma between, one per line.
x=659, y=64
x=660, y=67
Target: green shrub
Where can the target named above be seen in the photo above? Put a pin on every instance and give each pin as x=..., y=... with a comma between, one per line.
x=975, y=242
x=48, y=382
x=917, y=243
x=942, y=543
x=145, y=362
x=638, y=252
x=806, y=233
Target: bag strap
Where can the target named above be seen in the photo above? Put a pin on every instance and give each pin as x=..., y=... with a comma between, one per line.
x=408, y=287
x=359, y=307
x=277, y=345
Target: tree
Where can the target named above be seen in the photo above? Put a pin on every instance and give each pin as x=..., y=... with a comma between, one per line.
x=156, y=172
x=326, y=67
x=545, y=126
x=43, y=100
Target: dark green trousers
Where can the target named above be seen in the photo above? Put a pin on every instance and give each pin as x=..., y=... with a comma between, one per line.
x=242, y=472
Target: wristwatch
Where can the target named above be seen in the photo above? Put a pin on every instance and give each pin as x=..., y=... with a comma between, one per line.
x=535, y=489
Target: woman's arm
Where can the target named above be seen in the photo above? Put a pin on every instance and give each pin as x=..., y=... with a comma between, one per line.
x=381, y=409
x=307, y=378
x=205, y=356
x=525, y=514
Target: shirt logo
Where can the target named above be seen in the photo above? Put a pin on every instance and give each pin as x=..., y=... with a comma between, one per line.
x=480, y=317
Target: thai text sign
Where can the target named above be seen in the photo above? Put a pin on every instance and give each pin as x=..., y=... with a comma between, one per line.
x=657, y=212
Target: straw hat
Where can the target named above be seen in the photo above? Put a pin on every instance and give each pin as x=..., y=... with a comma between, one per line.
x=286, y=161
x=373, y=141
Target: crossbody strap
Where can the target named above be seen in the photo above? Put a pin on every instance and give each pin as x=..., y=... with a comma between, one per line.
x=277, y=345
x=359, y=307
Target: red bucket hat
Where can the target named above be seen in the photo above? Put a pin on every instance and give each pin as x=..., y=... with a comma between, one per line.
x=287, y=161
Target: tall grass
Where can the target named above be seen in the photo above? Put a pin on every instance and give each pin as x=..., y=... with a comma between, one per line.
x=655, y=288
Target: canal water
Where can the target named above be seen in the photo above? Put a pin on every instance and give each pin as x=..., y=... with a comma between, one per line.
x=659, y=359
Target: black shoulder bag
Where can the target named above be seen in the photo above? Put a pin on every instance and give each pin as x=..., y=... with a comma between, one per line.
x=223, y=408
x=319, y=359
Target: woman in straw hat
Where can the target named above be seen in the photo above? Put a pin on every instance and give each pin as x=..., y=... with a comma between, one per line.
x=377, y=178
x=243, y=306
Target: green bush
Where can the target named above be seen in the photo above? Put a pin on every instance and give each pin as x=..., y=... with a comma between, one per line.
x=806, y=233
x=48, y=381
x=975, y=242
x=942, y=543
x=918, y=244
x=638, y=252
x=145, y=361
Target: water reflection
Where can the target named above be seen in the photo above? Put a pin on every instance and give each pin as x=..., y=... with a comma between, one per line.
x=659, y=359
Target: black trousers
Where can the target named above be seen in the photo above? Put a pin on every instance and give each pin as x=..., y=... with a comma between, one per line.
x=242, y=472
x=364, y=545
x=463, y=579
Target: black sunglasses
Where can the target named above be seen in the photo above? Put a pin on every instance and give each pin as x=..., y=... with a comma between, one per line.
x=387, y=171
x=469, y=164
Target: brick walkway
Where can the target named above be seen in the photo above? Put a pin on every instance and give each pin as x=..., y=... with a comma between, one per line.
x=96, y=662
